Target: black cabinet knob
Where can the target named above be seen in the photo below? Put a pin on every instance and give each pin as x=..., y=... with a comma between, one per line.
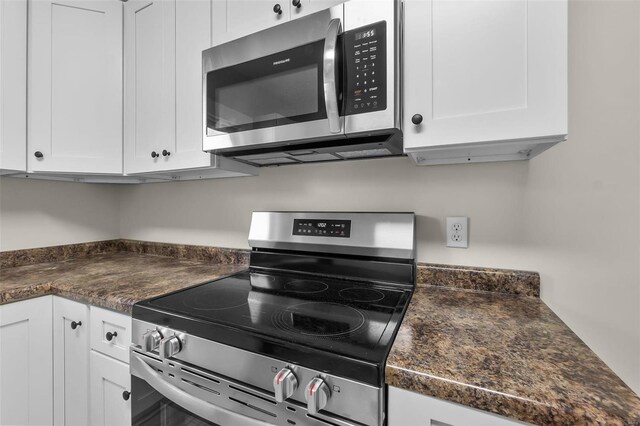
x=165, y=153
x=154, y=154
x=277, y=9
x=111, y=335
x=126, y=395
x=75, y=325
x=296, y=3
x=416, y=119
x=38, y=154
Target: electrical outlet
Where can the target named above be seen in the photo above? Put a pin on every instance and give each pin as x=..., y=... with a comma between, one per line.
x=458, y=232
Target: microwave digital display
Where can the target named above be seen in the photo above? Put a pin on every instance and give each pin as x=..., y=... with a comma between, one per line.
x=322, y=228
x=366, y=34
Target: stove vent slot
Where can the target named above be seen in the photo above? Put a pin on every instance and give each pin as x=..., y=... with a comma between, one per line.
x=244, y=391
x=318, y=419
x=253, y=407
x=202, y=376
x=201, y=386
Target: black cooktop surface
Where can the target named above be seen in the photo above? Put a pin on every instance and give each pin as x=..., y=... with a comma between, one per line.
x=318, y=322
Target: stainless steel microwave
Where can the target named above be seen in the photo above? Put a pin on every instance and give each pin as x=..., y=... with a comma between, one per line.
x=318, y=88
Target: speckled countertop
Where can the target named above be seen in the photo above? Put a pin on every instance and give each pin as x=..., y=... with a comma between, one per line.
x=507, y=354
x=476, y=336
x=111, y=280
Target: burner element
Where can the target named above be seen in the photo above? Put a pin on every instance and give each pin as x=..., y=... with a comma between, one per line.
x=319, y=319
x=305, y=286
x=357, y=294
x=216, y=298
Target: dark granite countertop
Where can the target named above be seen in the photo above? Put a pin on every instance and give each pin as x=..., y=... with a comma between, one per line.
x=476, y=336
x=111, y=280
x=507, y=354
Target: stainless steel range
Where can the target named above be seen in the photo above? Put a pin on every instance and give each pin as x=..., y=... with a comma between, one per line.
x=301, y=338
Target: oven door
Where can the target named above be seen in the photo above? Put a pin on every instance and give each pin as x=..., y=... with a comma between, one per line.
x=166, y=395
x=277, y=85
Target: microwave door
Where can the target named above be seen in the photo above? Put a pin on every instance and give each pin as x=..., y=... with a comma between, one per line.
x=287, y=95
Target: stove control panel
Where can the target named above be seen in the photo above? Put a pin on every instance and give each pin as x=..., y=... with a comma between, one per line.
x=170, y=346
x=317, y=395
x=366, y=69
x=285, y=384
x=322, y=228
x=151, y=340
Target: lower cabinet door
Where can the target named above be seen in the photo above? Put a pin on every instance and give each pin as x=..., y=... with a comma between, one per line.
x=412, y=409
x=70, y=362
x=26, y=382
x=110, y=385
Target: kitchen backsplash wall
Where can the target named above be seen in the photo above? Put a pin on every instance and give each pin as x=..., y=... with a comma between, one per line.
x=572, y=214
x=36, y=213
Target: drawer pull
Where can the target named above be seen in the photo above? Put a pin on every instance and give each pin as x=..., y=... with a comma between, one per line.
x=111, y=335
x=75, y=325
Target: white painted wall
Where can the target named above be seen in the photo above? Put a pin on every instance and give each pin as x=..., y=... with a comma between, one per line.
x=573, y=214
x=36, y=213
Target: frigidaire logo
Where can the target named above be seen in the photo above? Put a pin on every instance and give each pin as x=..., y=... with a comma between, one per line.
x=283, y=61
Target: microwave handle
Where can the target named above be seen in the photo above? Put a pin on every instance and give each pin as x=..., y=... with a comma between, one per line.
x=197, y=406
x=329, y=76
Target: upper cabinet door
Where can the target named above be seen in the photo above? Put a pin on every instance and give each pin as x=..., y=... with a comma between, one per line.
x=301, y=8
x=193, y=35
x=149, y=84
x=75, y=86
x=484, y=71
x=13, y=86
x=247, y=16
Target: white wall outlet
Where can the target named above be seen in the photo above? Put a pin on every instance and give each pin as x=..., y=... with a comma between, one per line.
x=458, y=232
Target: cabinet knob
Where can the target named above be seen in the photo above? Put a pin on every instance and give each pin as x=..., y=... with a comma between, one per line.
x=126, y=395
x=297, y=3
x=38, y=154
x=165, y=153
x=154, y=154
x=277, y=9
x=416, y=119
x=75, y=325
x=111, y=335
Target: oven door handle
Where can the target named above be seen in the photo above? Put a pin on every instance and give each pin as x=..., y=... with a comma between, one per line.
x=197, y=406
x=329, y=76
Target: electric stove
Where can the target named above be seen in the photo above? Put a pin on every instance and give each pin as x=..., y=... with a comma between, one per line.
x=301, y=337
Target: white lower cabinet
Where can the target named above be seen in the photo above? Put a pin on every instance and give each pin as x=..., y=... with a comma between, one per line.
x=110, y=386
x=26, y=374
x=411, y=409
x=58, y=365
x=70, y=362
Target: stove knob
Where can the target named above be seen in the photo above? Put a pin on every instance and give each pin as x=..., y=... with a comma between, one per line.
x=169, y=346
x=317, y=395
x=151, y=340
x=285, y=383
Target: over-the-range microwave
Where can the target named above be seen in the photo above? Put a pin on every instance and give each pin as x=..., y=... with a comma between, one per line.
x=318, y=88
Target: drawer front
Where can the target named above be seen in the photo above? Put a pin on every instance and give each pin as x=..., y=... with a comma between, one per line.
x=110, y=333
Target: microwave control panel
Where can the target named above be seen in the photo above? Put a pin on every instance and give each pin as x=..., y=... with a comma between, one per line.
x=366, y=69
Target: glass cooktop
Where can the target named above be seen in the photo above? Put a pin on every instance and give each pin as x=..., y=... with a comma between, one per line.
x=275, y=313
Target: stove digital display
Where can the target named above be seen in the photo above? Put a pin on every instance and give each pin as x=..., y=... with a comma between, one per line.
x=322, y=228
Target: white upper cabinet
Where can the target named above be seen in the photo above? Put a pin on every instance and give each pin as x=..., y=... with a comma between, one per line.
x=13, y=86
x=237, y=18
x=149, y=84
x=75, y=86
x=486, y=79
x=164, y=41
